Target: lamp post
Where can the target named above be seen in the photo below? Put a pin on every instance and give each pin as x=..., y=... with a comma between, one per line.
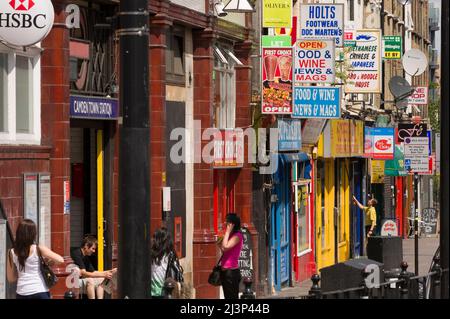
x=134, y=173
x=445, y=102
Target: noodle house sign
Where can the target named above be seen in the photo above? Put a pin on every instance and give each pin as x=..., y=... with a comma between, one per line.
x=25, y=22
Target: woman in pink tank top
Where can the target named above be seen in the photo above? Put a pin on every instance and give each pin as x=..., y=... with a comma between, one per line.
x=231, y=247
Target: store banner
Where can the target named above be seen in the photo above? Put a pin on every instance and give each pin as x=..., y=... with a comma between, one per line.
x=344, y=138
x=277, y=14
x=311, y=131
x=419, y=97
x=364, y=75
x=277, y=81
x=275, y=41
x=392, y=47
x=228, y=148
x=317, y=102
x=322, y=21
x=406, y=130
x=314, y=61
x=289, y=135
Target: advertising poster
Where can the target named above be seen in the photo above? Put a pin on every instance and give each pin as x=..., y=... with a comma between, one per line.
x=364, y=63
x=316, y=102
x=277, y=13
x=228, y=148
x=377, y=168
x=277, y=81
x=289, y=135
x=31, y=197
x=419, y=97
x=322, y=21
x=392, y=45
x=314, y=61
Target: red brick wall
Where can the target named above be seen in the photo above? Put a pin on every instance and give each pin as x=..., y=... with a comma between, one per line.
x=14, y=162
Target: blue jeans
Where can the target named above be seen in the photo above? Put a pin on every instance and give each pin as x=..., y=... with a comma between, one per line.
x=41, y=295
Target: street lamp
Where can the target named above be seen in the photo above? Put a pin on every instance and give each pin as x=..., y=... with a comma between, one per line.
x=239, y=6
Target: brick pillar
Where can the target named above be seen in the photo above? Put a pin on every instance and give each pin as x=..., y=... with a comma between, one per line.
x=55, y=122
x=244, y=119
x=158, y=30
x=205, y=250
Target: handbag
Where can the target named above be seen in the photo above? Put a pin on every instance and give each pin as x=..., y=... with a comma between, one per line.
x=174, y=269
x=49, y=276
x=214, y=276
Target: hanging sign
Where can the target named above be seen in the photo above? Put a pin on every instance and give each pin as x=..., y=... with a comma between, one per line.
x=277, y=13
x=275, y=41
x=289, y=135
x=312, y=130
x=392, y=47
x=277, y=81
x=316, y=102
x=25, y=22
x=383, y=143
x=322, y=21
x=419, y=97
x=228, y=148
x=416, y=154
x=314, y=61
x=365, y=63
x=368, y=142
x=411, y=130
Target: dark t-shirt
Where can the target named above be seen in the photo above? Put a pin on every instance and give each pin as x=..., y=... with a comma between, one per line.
x=83, y=262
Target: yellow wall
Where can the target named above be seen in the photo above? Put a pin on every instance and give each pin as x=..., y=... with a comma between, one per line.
x=344, y=211
x=325, y=252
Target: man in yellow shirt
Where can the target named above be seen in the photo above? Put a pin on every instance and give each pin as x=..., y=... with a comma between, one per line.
x=371, y=215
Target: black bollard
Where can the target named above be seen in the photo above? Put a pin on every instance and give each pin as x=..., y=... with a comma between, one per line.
x=315, y=291
x=404, y=285
x=248, y=293
x=436, y=279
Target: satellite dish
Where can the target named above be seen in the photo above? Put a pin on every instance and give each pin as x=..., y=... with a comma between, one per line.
x=414, y=62
x=400, y=88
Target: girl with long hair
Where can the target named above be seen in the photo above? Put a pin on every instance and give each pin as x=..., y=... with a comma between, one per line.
x=23, y=263
x=231, y=246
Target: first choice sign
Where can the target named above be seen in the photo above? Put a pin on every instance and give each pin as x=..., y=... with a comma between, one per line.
x=25, y=22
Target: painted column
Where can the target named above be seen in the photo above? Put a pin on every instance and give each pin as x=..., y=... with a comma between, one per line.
x=56, y=133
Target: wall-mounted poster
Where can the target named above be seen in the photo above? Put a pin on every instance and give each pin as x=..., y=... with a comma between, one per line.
x=364, y=60
x=30, y=197
x=277, y=81
x=44, y=210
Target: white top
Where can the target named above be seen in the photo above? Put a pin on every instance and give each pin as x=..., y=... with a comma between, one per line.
x=30, y=280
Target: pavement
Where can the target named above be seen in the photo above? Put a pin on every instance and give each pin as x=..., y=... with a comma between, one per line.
x=427, y=248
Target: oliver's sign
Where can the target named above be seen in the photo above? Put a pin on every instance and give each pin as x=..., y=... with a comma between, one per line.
x=25, y=22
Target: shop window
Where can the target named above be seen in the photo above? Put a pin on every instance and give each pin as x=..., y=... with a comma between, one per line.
x=20, y=96
x=224, y=77
x=175, y=62
x=303, y=218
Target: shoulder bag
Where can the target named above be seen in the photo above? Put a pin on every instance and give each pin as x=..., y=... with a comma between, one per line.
x=49, y=276
x=214, y=276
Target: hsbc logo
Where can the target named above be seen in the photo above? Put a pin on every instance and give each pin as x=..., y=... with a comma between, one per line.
x=25, y=22
x=22, y=5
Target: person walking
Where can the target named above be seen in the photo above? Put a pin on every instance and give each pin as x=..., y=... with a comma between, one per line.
x=24, y=265
x=231, y=246
x=164, y=263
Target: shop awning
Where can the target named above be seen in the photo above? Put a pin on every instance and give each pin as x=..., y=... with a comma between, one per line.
x=295, y=157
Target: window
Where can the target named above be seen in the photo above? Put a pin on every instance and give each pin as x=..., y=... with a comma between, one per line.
x=175, y=63
x=224, y=77
x=20, y=96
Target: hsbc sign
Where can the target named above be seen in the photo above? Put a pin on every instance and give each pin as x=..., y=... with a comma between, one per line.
x=25, y=22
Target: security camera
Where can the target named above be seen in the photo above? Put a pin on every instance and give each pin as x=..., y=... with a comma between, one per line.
x=218, y=8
